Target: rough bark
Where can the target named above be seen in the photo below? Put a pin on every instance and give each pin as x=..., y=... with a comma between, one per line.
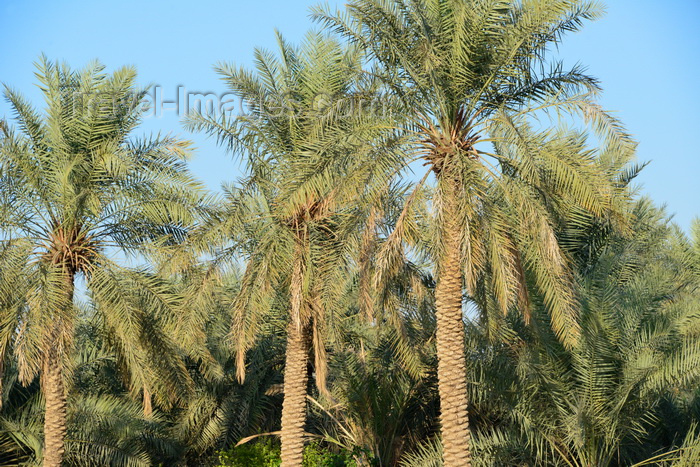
x=52, y=380
x=294, y=404
x=452, y=381
x=55, y=414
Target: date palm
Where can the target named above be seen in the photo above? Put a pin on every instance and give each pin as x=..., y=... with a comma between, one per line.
x=77, y=191
x=104, y=427
x=474, y=77
x=627, y=393
x=384, y=393
x=305, y=140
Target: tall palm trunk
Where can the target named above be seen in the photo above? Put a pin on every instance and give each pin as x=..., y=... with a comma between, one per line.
x=53, y=384
x=294, y=404
x=55, y=415
x=54, y=387
x=452, y=381
x=296, y=363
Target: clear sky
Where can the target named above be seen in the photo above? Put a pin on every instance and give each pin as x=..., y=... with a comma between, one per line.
x=646, y=53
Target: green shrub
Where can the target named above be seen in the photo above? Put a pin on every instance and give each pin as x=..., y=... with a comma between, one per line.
x=267, y=454
x=261, y=454
x=317, y=456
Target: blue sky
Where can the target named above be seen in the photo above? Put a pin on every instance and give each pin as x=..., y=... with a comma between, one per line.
x=645, y=52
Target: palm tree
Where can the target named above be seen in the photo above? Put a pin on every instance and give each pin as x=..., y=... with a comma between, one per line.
x=104, y=426
x=149, y=349
x=306, y=143
x=221, y=411
x=473, y=76
x=384, y=394
x=626, y=394
x=78, y=189
x=628, y=390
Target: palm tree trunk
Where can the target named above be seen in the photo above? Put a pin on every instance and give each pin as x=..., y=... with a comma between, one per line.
x=294, y=404
x=52, y=382
x=452, y=380
x=55, y=415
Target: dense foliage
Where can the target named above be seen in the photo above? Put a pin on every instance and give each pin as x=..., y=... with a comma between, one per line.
x=517, y=304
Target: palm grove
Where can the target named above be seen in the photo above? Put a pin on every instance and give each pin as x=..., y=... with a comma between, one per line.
x=435, y=256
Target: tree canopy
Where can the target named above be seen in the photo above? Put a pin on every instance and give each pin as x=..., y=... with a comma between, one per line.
x=511, y=301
